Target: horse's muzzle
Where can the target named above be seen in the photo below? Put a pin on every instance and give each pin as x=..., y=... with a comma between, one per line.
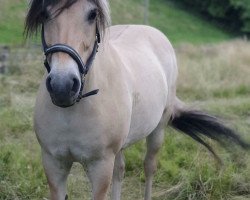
x=63, y=90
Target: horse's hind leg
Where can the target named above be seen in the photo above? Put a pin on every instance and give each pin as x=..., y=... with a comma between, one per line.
x=154, y=142
x=118, y=174
x=57, y=173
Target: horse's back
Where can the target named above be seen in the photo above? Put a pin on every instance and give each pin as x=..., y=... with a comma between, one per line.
x=150, y=61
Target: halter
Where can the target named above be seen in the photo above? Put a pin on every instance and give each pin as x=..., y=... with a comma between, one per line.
x=83, y=68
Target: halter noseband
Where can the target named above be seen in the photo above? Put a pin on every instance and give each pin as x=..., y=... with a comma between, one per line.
x=83, y=68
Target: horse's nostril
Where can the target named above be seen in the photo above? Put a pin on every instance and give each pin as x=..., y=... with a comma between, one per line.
x=48, y=85
x=76, y=85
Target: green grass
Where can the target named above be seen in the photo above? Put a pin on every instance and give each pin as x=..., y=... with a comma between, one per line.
x=185, y=169
x=11, y=21
x=179, y=25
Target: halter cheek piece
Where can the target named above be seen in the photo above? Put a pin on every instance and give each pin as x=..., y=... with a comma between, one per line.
x=83, y=68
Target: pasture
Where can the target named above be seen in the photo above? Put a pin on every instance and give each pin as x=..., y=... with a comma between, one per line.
x=212, y=76
x=179, y=25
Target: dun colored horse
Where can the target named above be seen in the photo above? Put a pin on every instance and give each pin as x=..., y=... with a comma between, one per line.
x=91, y=106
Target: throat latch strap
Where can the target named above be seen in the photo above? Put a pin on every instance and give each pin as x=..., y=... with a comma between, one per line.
x=93, y=92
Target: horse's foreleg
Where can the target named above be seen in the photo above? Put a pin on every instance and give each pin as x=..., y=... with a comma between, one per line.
x=118, y=174
x=154, y=142
x=100, y=175
x=56, y=173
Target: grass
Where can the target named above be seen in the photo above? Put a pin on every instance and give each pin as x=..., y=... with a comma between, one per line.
x=179, y=25
x=12, y=15
x=185, y=169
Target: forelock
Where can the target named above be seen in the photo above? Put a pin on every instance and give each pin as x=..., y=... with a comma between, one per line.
x=37, y=13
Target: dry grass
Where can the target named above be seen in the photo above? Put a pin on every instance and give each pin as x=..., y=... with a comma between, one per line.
x=214, y=77
x=214, y=70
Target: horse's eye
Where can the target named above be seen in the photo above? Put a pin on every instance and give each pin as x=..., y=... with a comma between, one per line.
x=92, y=15
x=45, y=15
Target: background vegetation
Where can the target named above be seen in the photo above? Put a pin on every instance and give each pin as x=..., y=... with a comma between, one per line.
x=179, y=25
x=213, y=75
x=233, y=14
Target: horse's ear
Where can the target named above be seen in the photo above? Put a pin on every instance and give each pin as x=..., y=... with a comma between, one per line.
x=66, y=197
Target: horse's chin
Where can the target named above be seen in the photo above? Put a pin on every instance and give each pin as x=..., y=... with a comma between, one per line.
x=63, y=104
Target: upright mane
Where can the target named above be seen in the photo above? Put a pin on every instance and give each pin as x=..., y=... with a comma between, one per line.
x=37, y=14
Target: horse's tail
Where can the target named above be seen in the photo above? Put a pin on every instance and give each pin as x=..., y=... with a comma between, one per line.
x=197, y=124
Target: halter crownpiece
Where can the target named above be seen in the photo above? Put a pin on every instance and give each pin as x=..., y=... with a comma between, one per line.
x=83, y=68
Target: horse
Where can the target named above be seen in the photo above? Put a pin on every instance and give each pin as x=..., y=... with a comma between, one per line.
x=106, y=87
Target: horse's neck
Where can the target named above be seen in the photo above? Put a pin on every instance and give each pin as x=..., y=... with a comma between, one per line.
x=94, y=76
x=97, y=75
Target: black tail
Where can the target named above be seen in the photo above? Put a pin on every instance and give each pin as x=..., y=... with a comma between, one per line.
x=197, y=124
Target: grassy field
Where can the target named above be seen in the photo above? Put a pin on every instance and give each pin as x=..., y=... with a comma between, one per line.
x=179, y=25
x=213, y=77
x=12, y=14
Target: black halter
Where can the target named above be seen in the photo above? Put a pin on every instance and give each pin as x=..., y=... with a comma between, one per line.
x=83, y=68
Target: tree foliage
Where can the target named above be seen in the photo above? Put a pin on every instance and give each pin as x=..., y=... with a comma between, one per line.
x=235, y=14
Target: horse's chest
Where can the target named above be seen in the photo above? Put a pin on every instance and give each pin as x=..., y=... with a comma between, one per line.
x=67, y=139
x=77, y=151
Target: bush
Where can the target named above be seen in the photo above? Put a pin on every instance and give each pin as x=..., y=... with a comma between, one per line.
x=234, y=14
